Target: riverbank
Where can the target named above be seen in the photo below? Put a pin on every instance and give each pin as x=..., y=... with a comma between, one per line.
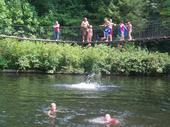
x=23, y=56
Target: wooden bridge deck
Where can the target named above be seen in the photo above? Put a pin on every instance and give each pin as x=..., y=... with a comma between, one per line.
x=148, y=39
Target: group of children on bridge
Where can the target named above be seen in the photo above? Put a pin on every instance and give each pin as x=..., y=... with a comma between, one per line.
x=87, y=30
x=124, y=30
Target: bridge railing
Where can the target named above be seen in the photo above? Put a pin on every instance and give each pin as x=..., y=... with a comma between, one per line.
x=73, y=33
x=153, y=30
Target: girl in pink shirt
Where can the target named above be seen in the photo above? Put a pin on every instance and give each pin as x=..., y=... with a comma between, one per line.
x=56, y=30
x=122, y=30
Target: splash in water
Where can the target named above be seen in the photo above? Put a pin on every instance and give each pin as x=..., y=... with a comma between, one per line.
x=85, y=86
x=94, y=86
x=89, y=77
x=88, y=84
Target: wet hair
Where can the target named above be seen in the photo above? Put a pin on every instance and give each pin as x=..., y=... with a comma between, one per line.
x=53, y=105
x=107, y=117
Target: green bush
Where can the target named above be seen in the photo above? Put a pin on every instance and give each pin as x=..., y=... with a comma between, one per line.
x=51, y=57
x=3, y=63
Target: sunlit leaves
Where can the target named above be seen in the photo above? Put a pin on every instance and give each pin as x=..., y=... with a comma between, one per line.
x=64, y=58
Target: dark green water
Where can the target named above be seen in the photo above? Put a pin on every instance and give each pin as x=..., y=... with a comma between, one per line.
x=135, y=101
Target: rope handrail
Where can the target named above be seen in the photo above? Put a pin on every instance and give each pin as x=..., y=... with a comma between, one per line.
x=73, y=33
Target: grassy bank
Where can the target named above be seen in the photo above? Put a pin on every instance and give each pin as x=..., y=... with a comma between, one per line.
x=25, y=55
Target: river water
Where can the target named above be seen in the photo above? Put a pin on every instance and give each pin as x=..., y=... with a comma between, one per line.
x=134, y=101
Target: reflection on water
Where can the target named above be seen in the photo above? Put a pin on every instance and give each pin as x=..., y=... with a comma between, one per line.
x=135, y=101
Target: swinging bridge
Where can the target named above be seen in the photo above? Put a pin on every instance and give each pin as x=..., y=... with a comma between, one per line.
x=72, y=34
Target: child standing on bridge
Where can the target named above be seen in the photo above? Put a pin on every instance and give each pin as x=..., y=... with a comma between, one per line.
x=56, y=30
x=122, y=31
x=89, y=34
x=129, y=27
x=84, y=27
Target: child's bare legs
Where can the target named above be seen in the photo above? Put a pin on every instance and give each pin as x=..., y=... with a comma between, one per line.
x=130, y=35
x=83, y=38
x=110, y=36
x=89, y=39
x=122, y=36
x=83, y=35
x=107, y=38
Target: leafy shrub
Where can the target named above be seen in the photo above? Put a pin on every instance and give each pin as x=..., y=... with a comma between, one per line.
x=25, y=55
x=3, y=63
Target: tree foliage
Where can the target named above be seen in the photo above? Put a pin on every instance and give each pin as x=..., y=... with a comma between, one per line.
x=34, y=13
x=5, y=18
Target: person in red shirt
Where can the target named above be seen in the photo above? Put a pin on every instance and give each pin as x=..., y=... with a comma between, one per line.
x=56, y=30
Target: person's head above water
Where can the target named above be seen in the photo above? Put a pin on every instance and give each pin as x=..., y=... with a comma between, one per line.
x=52, y=110
x=107, y=117
x=53, y=105
x=111, y=120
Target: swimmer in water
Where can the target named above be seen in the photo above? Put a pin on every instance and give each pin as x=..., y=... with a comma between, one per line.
x=110, y=120
x=52, y=111
x=52, y=114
